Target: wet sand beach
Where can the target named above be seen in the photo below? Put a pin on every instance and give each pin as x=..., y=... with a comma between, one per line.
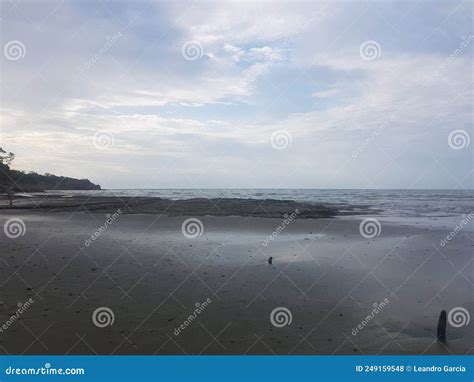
x=153, y=273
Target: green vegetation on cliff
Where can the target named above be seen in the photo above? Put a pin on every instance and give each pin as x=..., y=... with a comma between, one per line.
x=33, y=182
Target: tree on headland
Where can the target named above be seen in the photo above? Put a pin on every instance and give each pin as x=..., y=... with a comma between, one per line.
x=6, y=179
x=6, y=158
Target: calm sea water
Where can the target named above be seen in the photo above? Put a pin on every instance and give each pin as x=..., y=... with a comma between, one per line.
x=389, y=202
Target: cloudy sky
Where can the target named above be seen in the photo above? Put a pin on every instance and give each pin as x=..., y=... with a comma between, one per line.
x=138, y=94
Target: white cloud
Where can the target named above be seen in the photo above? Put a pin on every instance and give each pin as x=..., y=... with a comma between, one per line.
x=302, y=57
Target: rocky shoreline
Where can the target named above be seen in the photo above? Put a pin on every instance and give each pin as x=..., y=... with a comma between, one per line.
x=268, y=208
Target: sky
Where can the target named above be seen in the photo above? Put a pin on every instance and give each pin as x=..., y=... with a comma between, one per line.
x=139, y=94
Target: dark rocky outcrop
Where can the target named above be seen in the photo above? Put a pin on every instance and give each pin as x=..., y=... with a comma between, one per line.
x=267, y=208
